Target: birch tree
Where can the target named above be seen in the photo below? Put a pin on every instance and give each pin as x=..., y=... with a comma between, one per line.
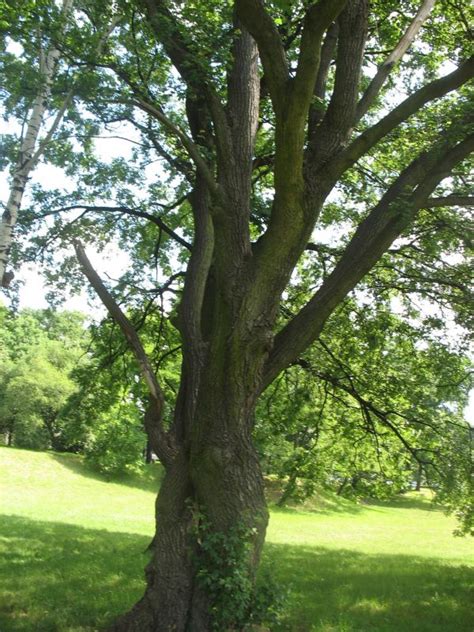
x=43, y=120
x=33, y=142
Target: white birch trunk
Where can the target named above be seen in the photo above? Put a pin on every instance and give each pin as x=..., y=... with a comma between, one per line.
x=30, y=152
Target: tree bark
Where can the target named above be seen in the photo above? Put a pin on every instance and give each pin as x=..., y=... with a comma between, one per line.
x=419, y=477
x=197, y=483
x=166, y=603
x=148, y=453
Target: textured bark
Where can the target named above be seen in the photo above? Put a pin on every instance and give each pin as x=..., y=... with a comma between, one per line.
x=166, y=603
x=217, y=462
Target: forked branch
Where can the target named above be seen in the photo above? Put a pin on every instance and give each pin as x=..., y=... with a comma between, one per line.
x=260, y=25
x=368, y=139
x=396, y=210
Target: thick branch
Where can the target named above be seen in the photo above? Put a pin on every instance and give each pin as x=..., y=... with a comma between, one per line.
x=384, y=224
x=292, y=216
x=327, y=54
x=361, y=145
x=400, y=49
x=243, y=104
x=191, y=310
x=338, y=121
x=260, y=25
x=450, y=200
x=317, y=20
x=234, y=157
x=161, y=441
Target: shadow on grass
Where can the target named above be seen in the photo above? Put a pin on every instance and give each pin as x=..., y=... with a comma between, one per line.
x=149, y=480
x=347, y=591
x=63, y=578
x=60, y=577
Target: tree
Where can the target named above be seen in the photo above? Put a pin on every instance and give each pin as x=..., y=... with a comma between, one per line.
x=32, y=145
x=44, y=110
x=41, y=349
x=105, y=413
x=269, y=122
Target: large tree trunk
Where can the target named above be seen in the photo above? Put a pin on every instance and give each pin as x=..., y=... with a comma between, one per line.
x=213, y=484
x=166, y=602
x=228, y=310
x=195, y=488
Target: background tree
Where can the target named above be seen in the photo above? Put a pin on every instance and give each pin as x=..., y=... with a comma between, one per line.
x=41, y=349
x=268, y=119
x=106, y=412
x=38, y=98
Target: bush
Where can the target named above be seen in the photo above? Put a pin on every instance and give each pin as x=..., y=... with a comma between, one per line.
x=117, y=446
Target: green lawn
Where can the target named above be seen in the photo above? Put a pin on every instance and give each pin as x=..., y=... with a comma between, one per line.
x=72, y=555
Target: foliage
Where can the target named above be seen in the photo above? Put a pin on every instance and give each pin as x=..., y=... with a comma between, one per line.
x=333, y=420
x=107, y=410
x=118, y=442
x=68, y=388
x=41, y=350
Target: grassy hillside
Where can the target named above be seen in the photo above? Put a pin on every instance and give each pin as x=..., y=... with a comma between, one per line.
x=72, y=552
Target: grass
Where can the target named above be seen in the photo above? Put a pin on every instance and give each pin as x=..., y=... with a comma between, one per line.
x=72, y=552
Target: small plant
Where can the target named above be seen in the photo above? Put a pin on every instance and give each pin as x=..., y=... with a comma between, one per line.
x=237, y=602
x=269, y=600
